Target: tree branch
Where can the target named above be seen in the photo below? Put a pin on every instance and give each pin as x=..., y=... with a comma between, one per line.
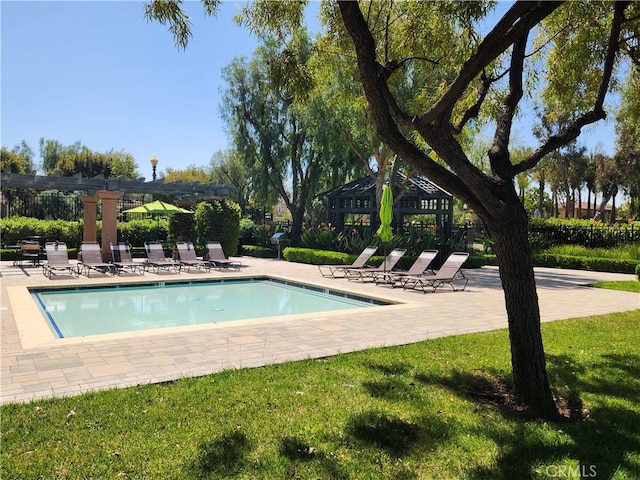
x=475, y=108
x=572, y=131
x=499, y=152
x=522, y=16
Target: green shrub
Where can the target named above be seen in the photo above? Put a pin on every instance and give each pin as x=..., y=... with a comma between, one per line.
x=638, y=271
x=136, y=232
x=181, y=228
x=586, y=263
x=260, y=252
x=15, y=229
x=316, y=257
x=218, y=220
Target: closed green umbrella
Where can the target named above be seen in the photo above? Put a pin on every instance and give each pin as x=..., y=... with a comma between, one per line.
x=386, y=215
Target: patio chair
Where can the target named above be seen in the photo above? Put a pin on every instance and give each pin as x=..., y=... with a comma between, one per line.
x=370, y=272
x=360, y=262
x=91, y=259
x=419, y=268
x=57, y=260
x=123, y=261
x=188, y=257
x=29, y=250
x=449, y=272
x=215, y=254
x=156, y=258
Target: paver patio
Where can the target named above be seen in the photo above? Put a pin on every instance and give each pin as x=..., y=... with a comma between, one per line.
x=42, y=367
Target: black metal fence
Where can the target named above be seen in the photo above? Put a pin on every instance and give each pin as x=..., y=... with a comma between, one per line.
x=54, y=205
x=592, y=236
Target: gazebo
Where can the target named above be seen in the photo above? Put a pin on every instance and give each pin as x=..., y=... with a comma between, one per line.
x=420, y=197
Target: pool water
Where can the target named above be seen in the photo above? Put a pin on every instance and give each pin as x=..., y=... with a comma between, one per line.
x=86, y=311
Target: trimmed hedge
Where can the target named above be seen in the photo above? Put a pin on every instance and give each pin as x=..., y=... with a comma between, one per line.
x=586, y=263
x=259, y=252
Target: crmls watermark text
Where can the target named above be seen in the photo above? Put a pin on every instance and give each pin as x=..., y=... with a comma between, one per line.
x=565, y=471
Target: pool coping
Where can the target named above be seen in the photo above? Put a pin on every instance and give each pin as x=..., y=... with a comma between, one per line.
x=34, y=331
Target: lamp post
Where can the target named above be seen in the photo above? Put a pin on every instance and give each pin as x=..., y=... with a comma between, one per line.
x=154, y=164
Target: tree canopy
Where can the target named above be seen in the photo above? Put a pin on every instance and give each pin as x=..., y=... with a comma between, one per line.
x=473, y=70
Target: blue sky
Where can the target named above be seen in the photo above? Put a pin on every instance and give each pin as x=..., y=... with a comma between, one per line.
x=99, y=73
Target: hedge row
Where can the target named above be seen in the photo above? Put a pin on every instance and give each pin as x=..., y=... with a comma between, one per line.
x=586, y=263
x=476, y=260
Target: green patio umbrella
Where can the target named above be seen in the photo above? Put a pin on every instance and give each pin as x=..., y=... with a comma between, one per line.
x=158, y=207
x=386, y=217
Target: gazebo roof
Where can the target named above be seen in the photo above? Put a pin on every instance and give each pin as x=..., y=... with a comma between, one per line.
x=94, y=184
x=366, y=185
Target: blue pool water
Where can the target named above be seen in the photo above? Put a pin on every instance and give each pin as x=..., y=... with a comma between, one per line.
x=86, y=311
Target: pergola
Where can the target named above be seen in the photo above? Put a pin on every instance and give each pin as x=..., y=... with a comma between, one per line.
x=108, y=191
x=420, y=196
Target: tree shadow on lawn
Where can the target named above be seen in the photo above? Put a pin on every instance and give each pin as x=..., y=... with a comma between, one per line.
x=600, y=438
x=224, y=456
x=298, y=451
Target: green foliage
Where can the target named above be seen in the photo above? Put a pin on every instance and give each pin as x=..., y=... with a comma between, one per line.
x=17, y=160
x=638, y=271
x=15, y=229
x=622, y=252
x=585, y=263
x=322, y=237
x=259, y=252
x=136, y=232
x=191, y=173
x=203, y=223
x=317, y=257
x=218, y=220
x=181, y=228
x=77, y=158
x=261, y=235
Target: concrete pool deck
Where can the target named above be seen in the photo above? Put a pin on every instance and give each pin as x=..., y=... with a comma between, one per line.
x=34, y=365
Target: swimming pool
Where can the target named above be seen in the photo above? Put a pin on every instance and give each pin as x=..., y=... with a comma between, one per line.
x=84, y=311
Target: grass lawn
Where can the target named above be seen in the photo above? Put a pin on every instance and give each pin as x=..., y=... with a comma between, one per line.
x=420, y=411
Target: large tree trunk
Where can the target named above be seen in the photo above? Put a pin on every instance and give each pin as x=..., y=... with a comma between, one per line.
x=512, y=249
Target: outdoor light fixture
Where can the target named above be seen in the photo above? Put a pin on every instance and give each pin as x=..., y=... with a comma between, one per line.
x=154, y=164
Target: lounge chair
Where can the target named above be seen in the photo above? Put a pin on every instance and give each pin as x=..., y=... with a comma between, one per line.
x=370, y=272
x=156, y=258
x=188, y=257
x=448, y=274
x=419, y=268
x=29, y=250
x=215, y=254
x=360, y=262
x=57, y=260
x=122, y=259
x=91, y=259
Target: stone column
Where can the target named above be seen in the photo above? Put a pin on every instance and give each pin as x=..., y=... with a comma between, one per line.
x=90, y=208
x=109, y=221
